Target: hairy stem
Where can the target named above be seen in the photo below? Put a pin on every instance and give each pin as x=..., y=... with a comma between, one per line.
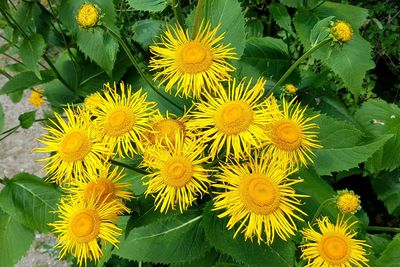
x=383, y=229
x=320, y=208
x=197, y=14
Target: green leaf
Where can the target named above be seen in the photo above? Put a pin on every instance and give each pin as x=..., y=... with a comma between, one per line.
x=281, y=16
x=391, y=256
x=1, y=118
x=320, y=31
x=377, y=242
x=380, y=118
x=97, y=44
x=15, y=240
x=229, y=14
x=31, y=50
x=30, y=200
x=268, y=55
x=280, y=253
x=176, y=239
x=387, y=187
x=27, y=119
x=144, y=31
x=292, y=3
x=25, y=80
x=58, y=94
x=148, y=5
x=254, y=28
x=342, y=149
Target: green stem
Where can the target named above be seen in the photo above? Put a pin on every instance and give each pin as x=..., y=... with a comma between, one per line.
x=124, y=165
x=176, y=7
x=383, y=229
x=298, y=61
x=137, y=67
x=197, y=14
x=320, y=208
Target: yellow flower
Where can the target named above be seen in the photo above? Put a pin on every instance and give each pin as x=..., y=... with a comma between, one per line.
x=235, y=118
x=290, y=88
x=177, y=177
x=348, y=202
x=290, y=135
x=36, y=98
x=194, y=64
x=333, y=246
x=88, y=15
x=106, y=186
x=92, y=101
x=342, y=31
x=258, y=196
x=76, y=149
x=82, y=224
x=123, y=118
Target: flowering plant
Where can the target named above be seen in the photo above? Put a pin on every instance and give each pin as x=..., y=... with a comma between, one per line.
x=182, y=134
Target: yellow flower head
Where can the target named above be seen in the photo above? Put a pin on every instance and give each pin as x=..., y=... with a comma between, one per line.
x=194, y=64
x=259, y=198
x=177, y=177
x=334, y=245
x=82, y=224
x=290, y=135
x=88, y=15
x=92, y=101
x=76, y=149
x=290, y=88
x=348, y=202
x=106, y=186
x=123, y=117
x=166, y=127
x=234, y=119
x=342, y=31
x=36, y=98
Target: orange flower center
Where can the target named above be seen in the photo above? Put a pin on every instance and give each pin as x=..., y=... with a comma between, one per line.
x=233, y=117
x=119, y=121
x=194, y=57
x=75, y=146
x=334, y=249
x=286, y=135
x=85, y=226
x=177, y=171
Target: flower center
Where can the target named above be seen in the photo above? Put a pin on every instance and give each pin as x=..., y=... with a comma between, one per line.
x=119, y=121
x=166, y=128
x=85, y=226
x=286, y=135
x=75, y=146
x=177, y=171
x=342, y=31
x=334, y=249
x=259, y=194
x=88, y=16
x=193, y=57
x=102, y=188
x=233, y=117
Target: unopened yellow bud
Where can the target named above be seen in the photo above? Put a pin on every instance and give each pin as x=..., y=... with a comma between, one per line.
x=290, y=88
x=348, y=202
x=88, y=16
x=342, y=31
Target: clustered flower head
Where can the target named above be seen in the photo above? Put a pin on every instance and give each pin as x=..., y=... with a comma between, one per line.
x=259, y=143
x=36, y=98
x=342, y=31
x=347, y=201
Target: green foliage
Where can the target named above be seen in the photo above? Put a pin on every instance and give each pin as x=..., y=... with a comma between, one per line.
x=31, y=50
x=281, y=16
x=175, y=239
x=148, y=5
x=342, y=147
x=280, y=253
x=15, y=239
x=229, y=14
x=27, y=119
x=30, y=200
x=24, y=80
x=390, y=256
x=387, y=187
x=145, y=31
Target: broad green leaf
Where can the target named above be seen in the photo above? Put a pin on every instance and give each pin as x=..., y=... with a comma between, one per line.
x=25, y=80
x=1, y=118
x=254, y=28
x=145, y=31
x=320, y=31
x=15, y=240
x=281, y=16
x=229, y=14
x=268, y=55
x=387, y=187
x=292, y=3
x=30, y=200
x=280, y=253
x=58, y=94
x=390, y=256
x=177, y=239
x=378, y=242
x=27, y=119
x=342, y=146
x=379, y=118
x=31, y=50
x=148, y=5
x=97, y=44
